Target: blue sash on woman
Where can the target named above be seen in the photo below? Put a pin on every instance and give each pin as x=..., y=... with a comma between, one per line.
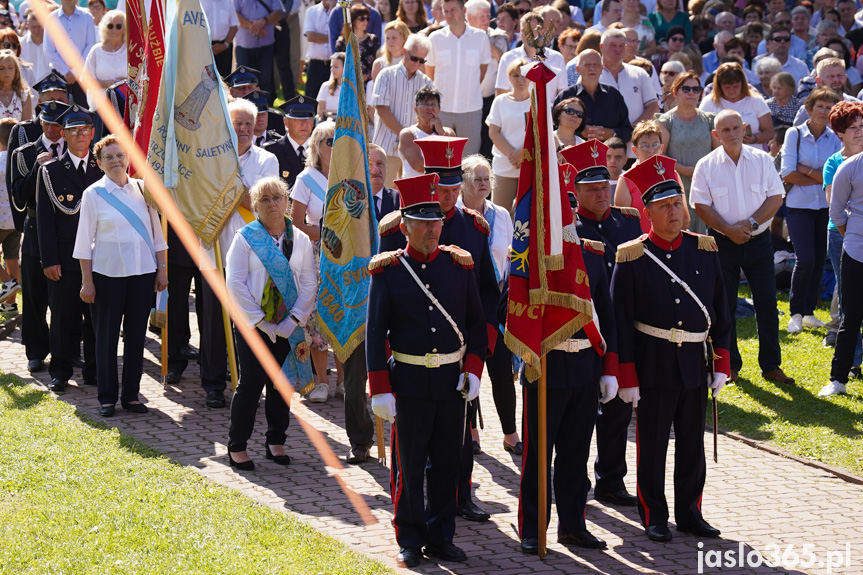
x=299, y=373
x=308, y=179
x=130, y=216
x=489, y=217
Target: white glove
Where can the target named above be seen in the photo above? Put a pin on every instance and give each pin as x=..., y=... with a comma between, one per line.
x=384, y=406
x=608, y=388
x=629, y=395
x=717, y=383
x=286, y=327
x=472, y=391
x=268, y=328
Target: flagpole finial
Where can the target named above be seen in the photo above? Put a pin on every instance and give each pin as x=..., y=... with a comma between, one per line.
x=539, y=38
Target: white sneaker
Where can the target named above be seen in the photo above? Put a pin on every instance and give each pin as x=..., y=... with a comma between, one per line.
x=795, y=324
x=340, y=389
x=9, y=288
x=8, y=308
x=320, y=393
x=332, y=390
x=812, y=321
x=832, y=388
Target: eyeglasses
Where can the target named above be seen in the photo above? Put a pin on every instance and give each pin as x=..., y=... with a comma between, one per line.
x=691, y=89
x=782, y=39
x=428, y=105
x=676, y=39
x=10, y=46
x=669, y=72
x=267, y=200
x=416, y=58
x=82, y=131
x=111, y=157
x=117, y=26
x=363, y=18
x=522, y=11
x=650, y=147
x=329, y=142
x=573, y=112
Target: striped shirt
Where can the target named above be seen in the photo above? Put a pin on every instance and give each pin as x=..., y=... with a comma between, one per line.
x=394, y=89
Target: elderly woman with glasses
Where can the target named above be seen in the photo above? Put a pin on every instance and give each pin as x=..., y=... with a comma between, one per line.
x=307, y=210
x=731, y=92
x=646, y=143
x=271, y=276
x=669, y=73
x=106, y=61
x=688, y=134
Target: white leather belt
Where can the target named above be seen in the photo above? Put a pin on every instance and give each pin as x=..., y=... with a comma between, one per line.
x=672, y=335
x=429, y=360
x=573, y=345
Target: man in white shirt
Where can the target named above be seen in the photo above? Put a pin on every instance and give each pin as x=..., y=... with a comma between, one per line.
x=82, y=31
x=223, y=22
x=632, y=82
x=736, y=191
x=33, y=48
x=610, y=13
x=479, y=16
x=778, y=45
x=316, y=30
x=554, y=59
x=457, y=64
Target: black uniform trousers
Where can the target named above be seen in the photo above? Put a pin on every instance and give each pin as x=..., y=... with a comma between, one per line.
x=499, y=367
x=485, y=143
x=178, y=312
x=70, y=319
x=214, y=349
x=612, y=427
x=465, y=466
x=34, y=306
x=317, y=72
x=282, y=36
x=427, y=439
x=224, y=63
x=358, y=422
x=244, y=406
x=571, y=415
x=125, y=300
x=658, y=410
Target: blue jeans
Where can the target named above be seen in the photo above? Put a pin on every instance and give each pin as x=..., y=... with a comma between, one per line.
x=834, y=252
x=260, y=59
x=755, y=258
x=808, y=232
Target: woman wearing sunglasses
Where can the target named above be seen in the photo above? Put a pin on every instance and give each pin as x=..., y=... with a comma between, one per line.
x=569, y=117
x=688, y=134
x=107, y=60
x=369, y=43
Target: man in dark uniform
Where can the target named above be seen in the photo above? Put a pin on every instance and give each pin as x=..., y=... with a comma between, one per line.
x=52, y=88
x=261, y=135
x=597, y=219
x=467, y=229
x=244, y=80
x=580, y=373
x=290, y=149
x=673, y=330
x=59, y=188
x=34, y=294
x=438, y=348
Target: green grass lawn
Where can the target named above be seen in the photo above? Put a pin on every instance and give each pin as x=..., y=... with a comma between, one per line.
x=793, y=417
x=79, y=497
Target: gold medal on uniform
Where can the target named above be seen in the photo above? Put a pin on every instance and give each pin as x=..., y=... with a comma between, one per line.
x=61, y=198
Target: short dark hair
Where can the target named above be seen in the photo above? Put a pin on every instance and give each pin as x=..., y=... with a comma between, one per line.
x=736, y=42
x=606, y=6
x=359, y=10
x=510, y=9
x=779, y=134
x=777, y=30
x=427, y=94
x=820, y=94
x=6, y=125
x=615, y=143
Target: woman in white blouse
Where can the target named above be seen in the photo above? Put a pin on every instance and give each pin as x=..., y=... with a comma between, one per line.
x=477, y=183
x=307, y=209
x=256, y=292
x=123, y=257
x=107, y=60
x=330, y=91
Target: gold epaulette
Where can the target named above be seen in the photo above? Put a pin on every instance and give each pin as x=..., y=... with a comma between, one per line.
x=631, y=250
x=389, y=223
x=593, y=246
x=384, y=260
x=706, y=243
x=459, y=256
x=628, y=211
x=478, y=220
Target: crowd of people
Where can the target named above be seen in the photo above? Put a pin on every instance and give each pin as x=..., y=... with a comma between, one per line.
x=703, y=142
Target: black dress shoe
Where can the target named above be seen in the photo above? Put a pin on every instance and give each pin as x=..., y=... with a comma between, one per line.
x=189, y=352
x=134, y=407
x=658, y=533
x=516, y=449
x=241, y=465
x=472, y=512
x=36, y=365
x=106, y=410
x=90, y=382
x=359, y=454
x=581, y=539
x=621, y=497
x=78, y=362
x=410, y=556
x=701, y=528
x=174, y=375
x=216, y=398
x=530, y=546
x=445, y=551
x=277, y=459
x=57, y=385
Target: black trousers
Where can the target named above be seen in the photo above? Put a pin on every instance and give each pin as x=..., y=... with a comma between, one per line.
x=214, y=349
x=358, y=422
x=244, y=406
x=283, y=62
x=224, y=63
x=851, y=275
x=126, y=301
x=485, y=143
x=465, y=466
x=571, y=414
x=70, y=319
x=179, y=333
x=658, y=410
x=427, y=437
x=317, y=72
x=34, y=307
x=612, y=426
x=499, y=367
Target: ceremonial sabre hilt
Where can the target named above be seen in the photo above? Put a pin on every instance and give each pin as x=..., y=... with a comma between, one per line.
x=539, y=38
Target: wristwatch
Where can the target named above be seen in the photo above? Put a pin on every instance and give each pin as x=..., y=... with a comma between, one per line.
x=753, y=224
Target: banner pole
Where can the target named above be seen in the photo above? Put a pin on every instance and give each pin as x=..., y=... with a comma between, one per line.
x=543, y=460
x=229, y=336
x=165, y=327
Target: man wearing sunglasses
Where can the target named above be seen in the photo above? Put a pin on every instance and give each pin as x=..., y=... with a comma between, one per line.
x=778, y=45
x=82, y=31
